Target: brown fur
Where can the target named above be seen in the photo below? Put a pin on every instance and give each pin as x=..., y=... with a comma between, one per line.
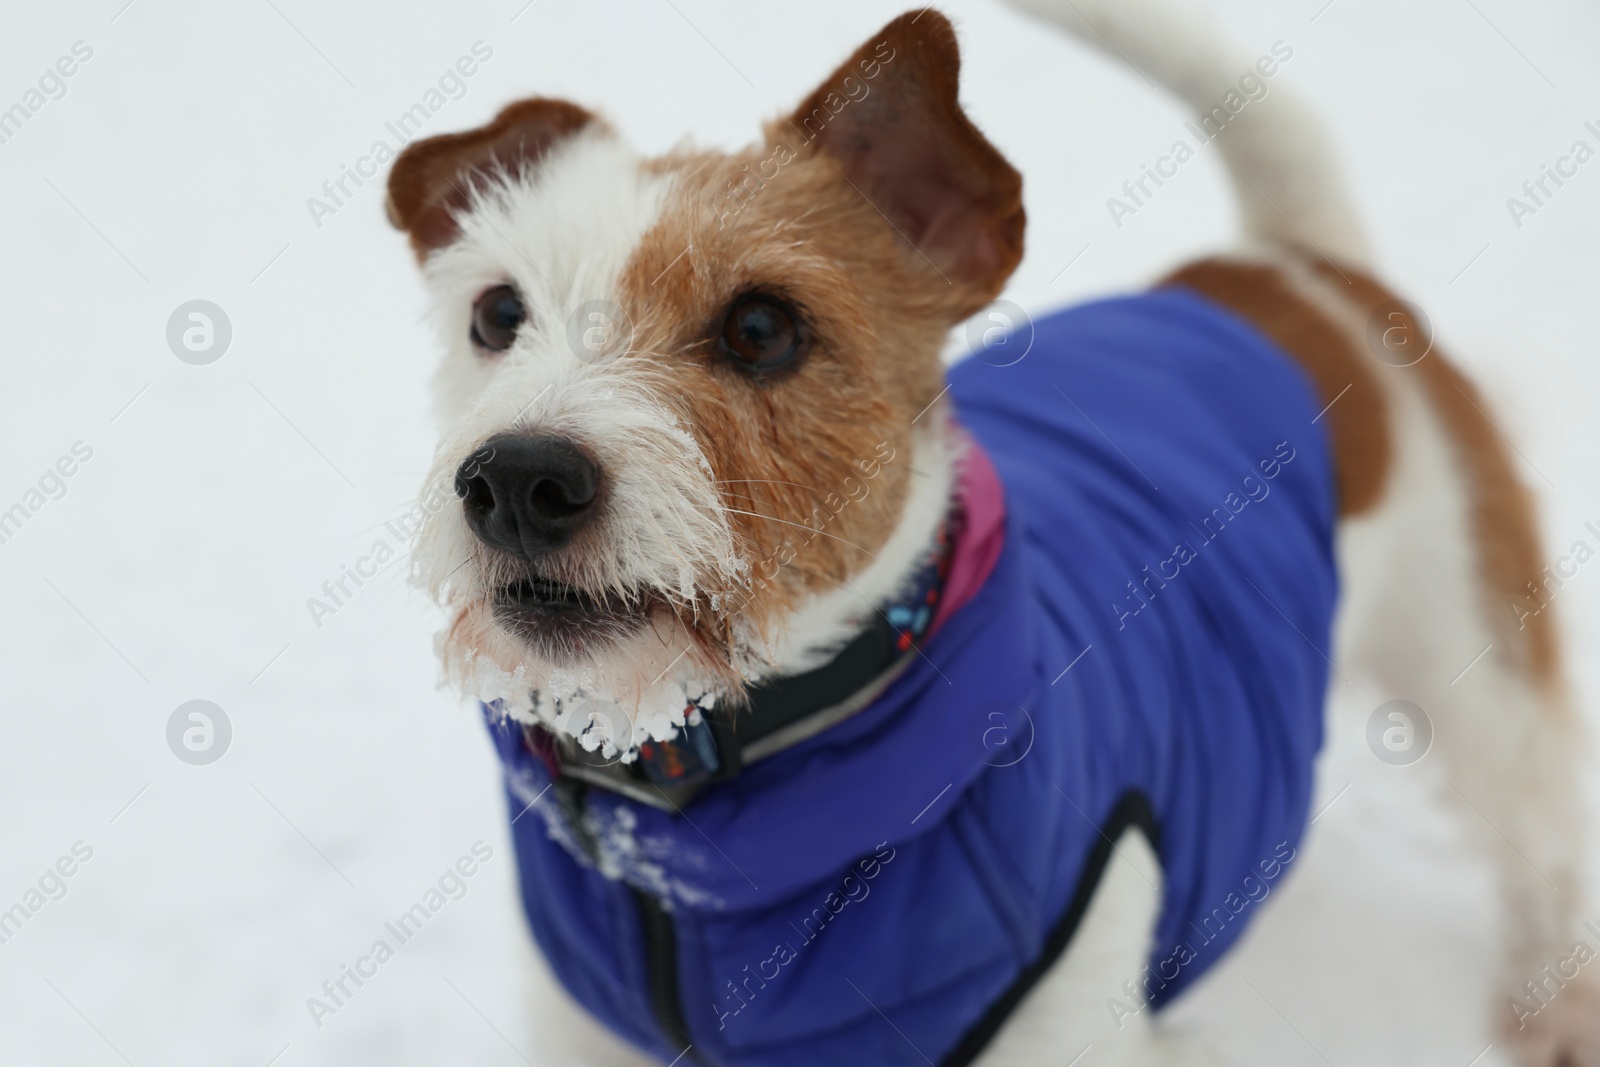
x=791, y=448
x=1358, y=421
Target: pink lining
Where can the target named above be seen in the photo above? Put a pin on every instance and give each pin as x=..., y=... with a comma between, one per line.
x=978, y=531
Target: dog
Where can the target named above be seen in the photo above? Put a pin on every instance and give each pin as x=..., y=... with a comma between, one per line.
x=771, y=619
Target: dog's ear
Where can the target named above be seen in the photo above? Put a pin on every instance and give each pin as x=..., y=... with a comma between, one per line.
x=435, y=177
x=891, y=118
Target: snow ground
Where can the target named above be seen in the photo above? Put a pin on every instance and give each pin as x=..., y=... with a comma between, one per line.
x=219, y=498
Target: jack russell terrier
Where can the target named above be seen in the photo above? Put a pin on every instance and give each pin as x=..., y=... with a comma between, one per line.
x=870, y=714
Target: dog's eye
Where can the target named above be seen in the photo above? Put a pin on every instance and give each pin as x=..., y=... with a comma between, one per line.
x=495, y=318
x=761, y=334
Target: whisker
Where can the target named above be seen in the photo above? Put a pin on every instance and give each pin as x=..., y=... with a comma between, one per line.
x=746, y=497
x=743, y=541
x=765, y=481
x=798, y=526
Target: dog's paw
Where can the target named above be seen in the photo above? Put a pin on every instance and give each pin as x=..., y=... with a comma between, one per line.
x=1563, y=1032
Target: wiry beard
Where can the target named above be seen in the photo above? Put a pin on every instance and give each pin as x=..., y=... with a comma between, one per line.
x=650, y=670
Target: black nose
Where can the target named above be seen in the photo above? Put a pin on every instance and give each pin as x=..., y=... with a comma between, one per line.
x=527, y=495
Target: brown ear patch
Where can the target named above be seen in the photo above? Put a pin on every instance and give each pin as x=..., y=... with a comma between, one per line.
x=891, y=118
x=434, y=178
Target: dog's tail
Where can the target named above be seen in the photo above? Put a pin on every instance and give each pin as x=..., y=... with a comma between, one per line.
x=1290, y=192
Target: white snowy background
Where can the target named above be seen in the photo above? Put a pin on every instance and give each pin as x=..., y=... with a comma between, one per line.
x=177, y=566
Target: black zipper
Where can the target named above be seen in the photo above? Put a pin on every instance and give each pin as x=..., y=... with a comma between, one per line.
x=655, y=923
x=661, y=971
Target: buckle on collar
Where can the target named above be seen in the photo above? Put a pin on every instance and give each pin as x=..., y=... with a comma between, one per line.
x=665, y=774
x=688, y=757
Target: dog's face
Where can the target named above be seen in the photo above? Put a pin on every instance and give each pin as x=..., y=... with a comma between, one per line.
x=682, y=396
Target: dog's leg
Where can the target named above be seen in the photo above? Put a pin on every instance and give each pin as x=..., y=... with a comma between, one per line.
x=1438, y=609
x=1088, y=1006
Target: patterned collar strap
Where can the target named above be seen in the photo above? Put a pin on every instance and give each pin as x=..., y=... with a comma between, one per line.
x=780, y=713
